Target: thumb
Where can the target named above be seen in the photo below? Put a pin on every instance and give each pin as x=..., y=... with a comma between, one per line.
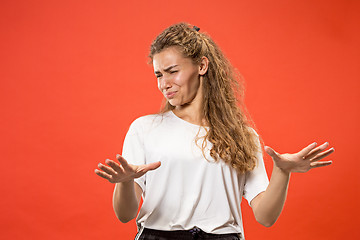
x=153, y=166
x=271, y=152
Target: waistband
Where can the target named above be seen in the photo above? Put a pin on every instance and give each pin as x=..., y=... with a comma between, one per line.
x=194, y=233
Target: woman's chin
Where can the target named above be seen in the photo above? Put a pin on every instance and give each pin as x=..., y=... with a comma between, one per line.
x=174, y=103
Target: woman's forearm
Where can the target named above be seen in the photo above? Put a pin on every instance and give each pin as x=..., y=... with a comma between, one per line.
x=271, y=202
x=125, y=202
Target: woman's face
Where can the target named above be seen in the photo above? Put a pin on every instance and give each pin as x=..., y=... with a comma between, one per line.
x=179, y=79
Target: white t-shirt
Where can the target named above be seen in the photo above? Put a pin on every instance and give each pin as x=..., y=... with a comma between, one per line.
x=187, y=190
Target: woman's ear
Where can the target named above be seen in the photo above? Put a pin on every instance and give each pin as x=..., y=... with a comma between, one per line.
x=204, y=64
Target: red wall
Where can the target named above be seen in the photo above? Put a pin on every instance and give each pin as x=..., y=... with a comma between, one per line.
x=74, y=75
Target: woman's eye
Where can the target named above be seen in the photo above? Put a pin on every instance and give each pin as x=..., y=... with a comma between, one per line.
x=173, y=71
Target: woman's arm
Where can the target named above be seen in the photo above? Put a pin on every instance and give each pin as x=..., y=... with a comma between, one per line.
x=127, y=193
x=268, y=205
x=126, y=200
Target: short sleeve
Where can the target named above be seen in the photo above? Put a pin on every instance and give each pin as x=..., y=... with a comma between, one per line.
x=256, y=181
x=133, y=148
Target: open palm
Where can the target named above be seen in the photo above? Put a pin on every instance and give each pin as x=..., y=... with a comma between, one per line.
x=303, y=160
x=124, y=171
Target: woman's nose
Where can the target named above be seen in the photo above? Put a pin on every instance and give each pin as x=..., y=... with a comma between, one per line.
x=165, y=83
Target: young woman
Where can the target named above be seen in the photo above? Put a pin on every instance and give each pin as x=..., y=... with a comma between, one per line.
x=193, y=162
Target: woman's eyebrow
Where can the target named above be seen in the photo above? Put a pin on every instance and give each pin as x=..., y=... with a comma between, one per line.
x=167, y=69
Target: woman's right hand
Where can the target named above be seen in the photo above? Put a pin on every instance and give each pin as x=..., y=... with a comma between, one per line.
x=123, y=172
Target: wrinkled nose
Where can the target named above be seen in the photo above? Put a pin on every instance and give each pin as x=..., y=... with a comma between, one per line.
x=164, y=83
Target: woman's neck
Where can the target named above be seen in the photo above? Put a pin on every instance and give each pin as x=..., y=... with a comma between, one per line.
x=191, y=112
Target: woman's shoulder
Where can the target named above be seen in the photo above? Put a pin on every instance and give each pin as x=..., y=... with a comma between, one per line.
x=149, y=120
x=252, y=131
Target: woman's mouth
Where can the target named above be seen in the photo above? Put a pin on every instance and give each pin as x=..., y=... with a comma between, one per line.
x=170, y=94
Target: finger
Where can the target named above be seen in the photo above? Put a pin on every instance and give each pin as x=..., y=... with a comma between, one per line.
x=114, y=165
x=323, y=155
x=153, y=166
x=149, y=167
x=271, y=152
x=102, y=174
x=305, y=151
x=317, y=150
x=123, y=162
x=320, y=164
x=107, y=169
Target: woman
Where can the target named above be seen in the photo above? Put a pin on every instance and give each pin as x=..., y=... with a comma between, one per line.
x=193, y=162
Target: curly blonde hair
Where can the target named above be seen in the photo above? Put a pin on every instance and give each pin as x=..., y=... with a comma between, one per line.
x=232, y=138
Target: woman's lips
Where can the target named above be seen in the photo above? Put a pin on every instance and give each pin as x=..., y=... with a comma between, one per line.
x=170, y=94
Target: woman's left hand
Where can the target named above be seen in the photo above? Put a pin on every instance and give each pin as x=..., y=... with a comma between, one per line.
x=303, y=160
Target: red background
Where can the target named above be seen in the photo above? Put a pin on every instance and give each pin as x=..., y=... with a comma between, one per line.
x=74, y=76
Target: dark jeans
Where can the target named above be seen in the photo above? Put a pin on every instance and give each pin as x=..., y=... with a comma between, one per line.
x=193, y=234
